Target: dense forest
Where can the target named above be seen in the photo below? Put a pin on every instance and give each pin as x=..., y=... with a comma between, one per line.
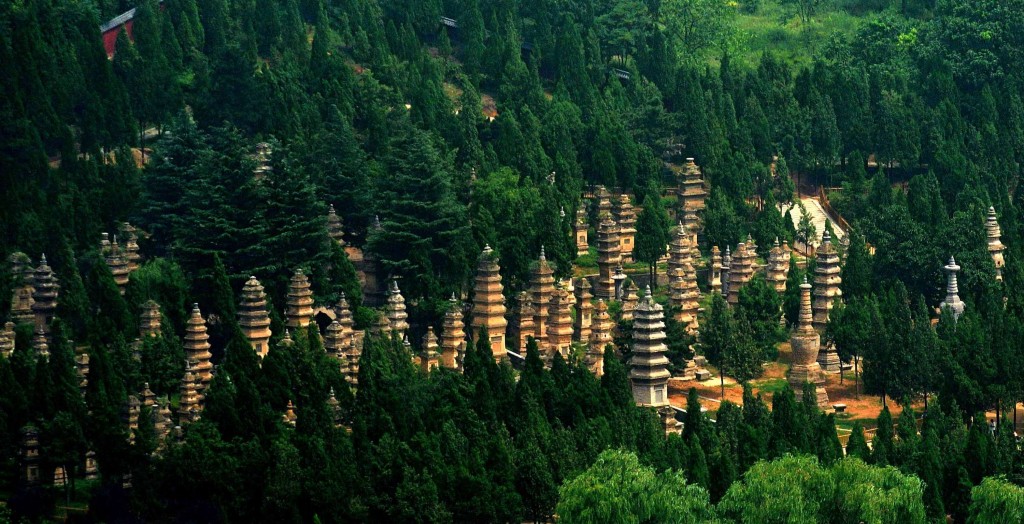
x=224, y=130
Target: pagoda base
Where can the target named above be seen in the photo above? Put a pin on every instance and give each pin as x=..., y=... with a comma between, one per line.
x=829, y=361
x=801, y=374
x=669, y=422
x=689, y=372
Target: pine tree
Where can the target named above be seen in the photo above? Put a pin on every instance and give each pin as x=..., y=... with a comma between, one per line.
x=857, y=445
x=652, y=230
x=882, y=444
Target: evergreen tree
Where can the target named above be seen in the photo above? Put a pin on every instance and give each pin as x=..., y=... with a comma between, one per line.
x=652, y=230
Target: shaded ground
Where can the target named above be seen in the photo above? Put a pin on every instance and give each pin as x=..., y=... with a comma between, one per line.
x=864, y=409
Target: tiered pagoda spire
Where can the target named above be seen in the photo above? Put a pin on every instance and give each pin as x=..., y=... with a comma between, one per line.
x=778, y=267
x=806, y=344
x=715, y=279
x=253, y=317
x=131, y=247
x=608, y=258
x=579, y=228
x=726, y=271
x=678, y=258
x=648, y=372
x=149, y=321
x=952, y=301
x=44, y=296
x=197, y=348
x=7, y=340
x=397, y=316
x=334, y=344
x=189, y=406
x=692, y=192
x=584, y=311
x=489, y=304
x=24, y=288
x=741, y=270
x=39, y=343
x=118, y=265
x=429, y=358
x=625, y=217
x=542, y=289
x=524, y=327
x=453, y=335
x=559, y=326
x=827, y=280
x=604, y=203
x=995, y=245
x=300, y=301
x=335, y=228
x=601, y=329
x=629, y=301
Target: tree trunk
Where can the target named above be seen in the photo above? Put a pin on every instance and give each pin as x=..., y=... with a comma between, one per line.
x=856, y=377
x=721, y=377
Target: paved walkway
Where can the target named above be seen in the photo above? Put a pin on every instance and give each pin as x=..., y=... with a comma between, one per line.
x=818, y=217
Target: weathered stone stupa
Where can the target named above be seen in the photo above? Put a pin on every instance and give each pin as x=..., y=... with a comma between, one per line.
x=827, y=280
x=398, y=318
x=715, y=279
x=726, y=270
x=7, y=340
x=952, y=301
x=579, y=228
x=604, y=203
x=44, y=296
x=608, y=258
x=692, y=193
x=453, y=335
x=334, y=341
x=542, y=288
x=778, y=267
x=189, y=406
x=678, y=259
x=629, y=301
x=197, y=348
x=149, y=321
x=806, y=343
x=559, y=327
x=118, y=265
x=740, y=271
x=602, y=327
x=995, y=245
x=253, y=317
x=524, y=327
x=39, y=343
x=649, y=365
x=24, y=288
x=131, y=247
x=343, y=314
x=335, y=228
x=489, y=304
x=625, y=217
x=429, y=358
x=300, y=301
x=584, y=311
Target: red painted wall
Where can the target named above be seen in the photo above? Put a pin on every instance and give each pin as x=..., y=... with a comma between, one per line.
x=110, y=37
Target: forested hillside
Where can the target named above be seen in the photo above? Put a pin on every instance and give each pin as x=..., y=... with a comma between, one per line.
x=223, y=132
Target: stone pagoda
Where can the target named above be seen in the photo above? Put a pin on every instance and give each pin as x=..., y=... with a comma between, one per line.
x=692, y=193
x=44, y=296
x=398, y=318
x=715, y=279
x=625, y=217
x=189, y=405
x=299, y=312
x=604, y=202
x=579, y=230
x=334, y=340
x=726, y=270
x=778, y=267
x=678, y=258
x=741, y=270
x=826, y=291
x=602, y=327
x=559, y=326
x=453, y=335
x=343, y=314
x=995, y=245
x=630, y=299
x=542, y=289
x=489, y=304
x=524, y=327
x=24, y=288
x=39, y=343
x=806, y=343
x=118, y=265
x=131, y=247
x=253, y=317
x=952, y=301
x=429, y=358
x=197, y=349
x=149, y=320
x=7, y=340
x=827, y=279
x=335, y=228
x=584, y=311
x=608, y=258
x=648, y=372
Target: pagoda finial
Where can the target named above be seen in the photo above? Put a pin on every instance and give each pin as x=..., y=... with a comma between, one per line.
x=542, y=257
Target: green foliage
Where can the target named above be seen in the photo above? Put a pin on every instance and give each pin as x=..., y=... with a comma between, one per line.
x=996, y=500
x=618, y=487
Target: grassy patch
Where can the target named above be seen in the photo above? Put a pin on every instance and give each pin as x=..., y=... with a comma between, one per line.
x=777, y=28
x=772, y=386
